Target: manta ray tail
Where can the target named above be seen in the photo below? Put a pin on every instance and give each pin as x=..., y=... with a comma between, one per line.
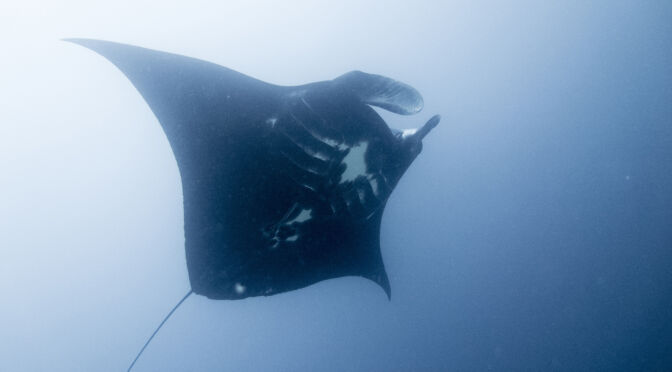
x=159, y=327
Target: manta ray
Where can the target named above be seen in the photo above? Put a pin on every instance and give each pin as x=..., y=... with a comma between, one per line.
x=283, y=186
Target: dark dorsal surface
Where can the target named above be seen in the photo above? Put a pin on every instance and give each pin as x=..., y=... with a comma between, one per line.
x=283, y=186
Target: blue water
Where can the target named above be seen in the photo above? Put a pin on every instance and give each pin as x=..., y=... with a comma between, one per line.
x=533, y=233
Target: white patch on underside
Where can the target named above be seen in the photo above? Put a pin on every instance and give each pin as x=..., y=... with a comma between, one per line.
x=408, y=132
x=292, y=238
x=355, y=162
x=309, y=187
x=334, y=143
x=240, y=289
x=304, y=216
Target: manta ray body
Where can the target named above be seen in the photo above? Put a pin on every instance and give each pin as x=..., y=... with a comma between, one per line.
x=283, y=186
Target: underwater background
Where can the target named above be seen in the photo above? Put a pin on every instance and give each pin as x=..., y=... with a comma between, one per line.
x=533, y=233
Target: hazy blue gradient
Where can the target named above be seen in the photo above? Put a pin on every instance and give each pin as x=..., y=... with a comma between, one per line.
x=534, y=233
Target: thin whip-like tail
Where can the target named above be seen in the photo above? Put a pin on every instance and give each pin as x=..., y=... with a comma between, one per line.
x=159, y=327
